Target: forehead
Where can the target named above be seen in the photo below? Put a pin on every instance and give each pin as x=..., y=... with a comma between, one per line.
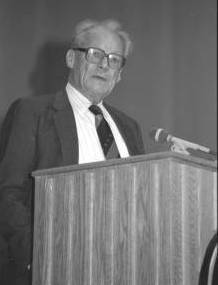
x=104, y=39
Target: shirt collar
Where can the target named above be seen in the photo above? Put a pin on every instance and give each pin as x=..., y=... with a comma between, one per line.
x=79, y=101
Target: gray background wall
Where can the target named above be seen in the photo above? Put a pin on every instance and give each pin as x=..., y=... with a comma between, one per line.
x=169, y=81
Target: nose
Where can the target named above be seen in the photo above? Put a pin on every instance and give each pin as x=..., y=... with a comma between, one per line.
x=103, y=63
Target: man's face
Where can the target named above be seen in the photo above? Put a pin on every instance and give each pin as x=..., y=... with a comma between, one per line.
x=96, y=81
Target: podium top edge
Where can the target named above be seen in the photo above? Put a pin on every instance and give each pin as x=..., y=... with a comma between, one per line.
x=212, y=165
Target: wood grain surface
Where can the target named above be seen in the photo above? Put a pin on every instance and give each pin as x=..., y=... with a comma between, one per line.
x=142, y=222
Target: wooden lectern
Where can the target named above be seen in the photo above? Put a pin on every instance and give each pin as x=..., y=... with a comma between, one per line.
x=145, y=220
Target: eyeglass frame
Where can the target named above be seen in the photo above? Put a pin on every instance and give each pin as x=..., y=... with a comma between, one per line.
x=107, y=55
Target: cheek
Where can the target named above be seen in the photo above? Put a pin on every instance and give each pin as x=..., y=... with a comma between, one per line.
x=86, y=71
x=115, y=77
x=80, y=68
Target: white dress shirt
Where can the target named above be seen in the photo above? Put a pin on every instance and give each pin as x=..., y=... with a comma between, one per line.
x=90, y=149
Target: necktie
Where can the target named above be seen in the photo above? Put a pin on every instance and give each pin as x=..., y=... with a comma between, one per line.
x=105, y=134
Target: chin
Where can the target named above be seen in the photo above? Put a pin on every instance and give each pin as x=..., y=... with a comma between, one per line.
x=97, y=91
x=96, y=98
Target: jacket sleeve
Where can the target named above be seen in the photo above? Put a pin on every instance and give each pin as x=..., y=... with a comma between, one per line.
x=139, y=139
x=18, y=144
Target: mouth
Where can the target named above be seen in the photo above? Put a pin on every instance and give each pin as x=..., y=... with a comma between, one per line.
x=99, y=77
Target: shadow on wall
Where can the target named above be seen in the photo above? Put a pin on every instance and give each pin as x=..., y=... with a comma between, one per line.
x=50, y=72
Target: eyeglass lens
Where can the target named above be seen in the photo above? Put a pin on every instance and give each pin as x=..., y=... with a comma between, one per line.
x=96, y=55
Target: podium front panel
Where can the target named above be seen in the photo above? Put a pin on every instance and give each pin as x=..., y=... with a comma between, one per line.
x=140, y=221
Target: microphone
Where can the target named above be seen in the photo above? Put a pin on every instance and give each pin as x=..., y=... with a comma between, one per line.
x=162, y=136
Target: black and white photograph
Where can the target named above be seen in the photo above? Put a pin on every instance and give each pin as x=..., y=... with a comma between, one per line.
x=108, y=142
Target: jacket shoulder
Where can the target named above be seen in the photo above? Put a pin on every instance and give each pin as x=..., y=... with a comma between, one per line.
x=120, y=114
x=34, y=104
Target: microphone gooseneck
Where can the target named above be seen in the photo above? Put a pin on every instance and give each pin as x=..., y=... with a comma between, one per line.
x=160, y=135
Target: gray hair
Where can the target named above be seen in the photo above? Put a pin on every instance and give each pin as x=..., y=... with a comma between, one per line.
x=86, y=26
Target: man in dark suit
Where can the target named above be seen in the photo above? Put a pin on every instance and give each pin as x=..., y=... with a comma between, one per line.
x=70, y=127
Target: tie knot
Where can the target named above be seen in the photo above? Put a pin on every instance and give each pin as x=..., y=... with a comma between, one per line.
x=95, y=110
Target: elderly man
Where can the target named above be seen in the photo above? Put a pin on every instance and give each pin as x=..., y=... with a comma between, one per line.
x=70, y=127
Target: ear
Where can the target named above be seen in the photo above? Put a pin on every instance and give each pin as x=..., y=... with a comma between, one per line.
x=70, y=58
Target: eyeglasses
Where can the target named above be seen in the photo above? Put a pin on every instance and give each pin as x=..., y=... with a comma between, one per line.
x=96, y=55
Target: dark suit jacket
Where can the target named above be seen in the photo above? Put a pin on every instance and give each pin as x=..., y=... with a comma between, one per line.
x=40, y=132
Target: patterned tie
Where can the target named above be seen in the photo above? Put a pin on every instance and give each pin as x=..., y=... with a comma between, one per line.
x=105, y=134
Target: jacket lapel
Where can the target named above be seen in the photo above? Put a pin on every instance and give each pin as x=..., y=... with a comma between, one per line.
x=123, y=129
x=66, y=128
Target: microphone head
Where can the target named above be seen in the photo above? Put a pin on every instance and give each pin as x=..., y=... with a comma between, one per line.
x=159, y=135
